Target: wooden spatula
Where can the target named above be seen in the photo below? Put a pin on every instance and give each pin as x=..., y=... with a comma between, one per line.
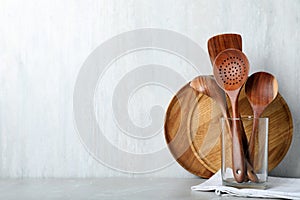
x=221, y=42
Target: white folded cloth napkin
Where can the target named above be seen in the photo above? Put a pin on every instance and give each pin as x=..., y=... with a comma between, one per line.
x=284, y=188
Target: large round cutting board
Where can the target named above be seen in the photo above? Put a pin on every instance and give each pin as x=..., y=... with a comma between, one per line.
x=176, y=132
x=192, y=130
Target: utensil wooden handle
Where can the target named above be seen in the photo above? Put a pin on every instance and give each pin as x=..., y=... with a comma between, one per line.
x=251, y=175
x=252, y=140
x=238, y=159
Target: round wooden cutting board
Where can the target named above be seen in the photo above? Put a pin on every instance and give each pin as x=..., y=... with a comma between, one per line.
x=176, y=130
x=193, y=135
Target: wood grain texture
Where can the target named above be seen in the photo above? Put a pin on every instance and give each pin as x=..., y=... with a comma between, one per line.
x=207, y=85
x=261, y=89
x=176, y=129
x=221, y=42
x=201, y=126
x=231, y=68
x=280, y=126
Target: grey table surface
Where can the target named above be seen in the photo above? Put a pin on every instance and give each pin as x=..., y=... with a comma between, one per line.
x=104, y=188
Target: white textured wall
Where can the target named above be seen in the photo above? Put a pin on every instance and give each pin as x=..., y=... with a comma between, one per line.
x=43, y=45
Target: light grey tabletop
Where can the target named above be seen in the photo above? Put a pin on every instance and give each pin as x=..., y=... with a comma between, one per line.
x=104, y=188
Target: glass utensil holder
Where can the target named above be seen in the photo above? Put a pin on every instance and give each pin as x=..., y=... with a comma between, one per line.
x=256, y=159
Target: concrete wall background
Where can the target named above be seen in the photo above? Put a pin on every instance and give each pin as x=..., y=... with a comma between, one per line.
x=43, y=45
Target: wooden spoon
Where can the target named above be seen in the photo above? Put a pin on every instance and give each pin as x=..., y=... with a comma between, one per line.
x=221, y=42
x=231, y=68
x=207, y=85
x=261, y=89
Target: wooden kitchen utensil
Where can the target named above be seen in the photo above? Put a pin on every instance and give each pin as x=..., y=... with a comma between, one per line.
x=261, y=89
x=221, y=42
x=207, y=85
x=231, y=68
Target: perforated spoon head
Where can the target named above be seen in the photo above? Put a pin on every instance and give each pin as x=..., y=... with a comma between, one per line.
x=231, y=68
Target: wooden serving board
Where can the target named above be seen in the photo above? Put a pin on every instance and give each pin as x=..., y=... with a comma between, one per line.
x=193, y=135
